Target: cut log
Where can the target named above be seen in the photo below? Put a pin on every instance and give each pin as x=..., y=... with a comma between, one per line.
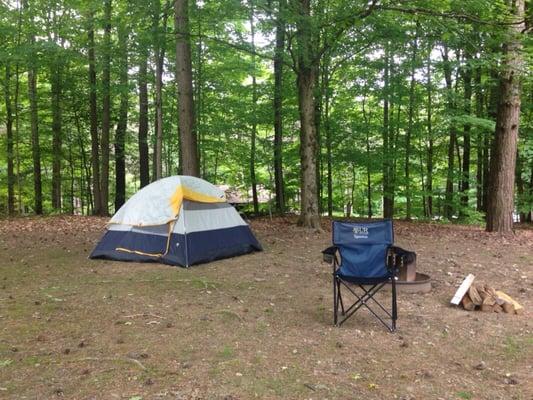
x=490, y=291
x=488, y=304
x=467, y=303
x=497, y=308
x=508, y=308
x=475, y=296
x=518, y=309
x=460, y=293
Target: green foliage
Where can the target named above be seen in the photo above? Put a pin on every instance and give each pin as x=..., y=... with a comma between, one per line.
x=351, y=94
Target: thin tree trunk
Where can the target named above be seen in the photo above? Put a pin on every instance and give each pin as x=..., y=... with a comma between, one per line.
x=34, y=121
x=95, y=141
x=9, y=142
x=448, y=202
x=520, y=184
x=199, y=91
x=56, y=89
x=409, y=132
x=429, y=168
x=122, y=124
x=253, y=178
x=479, y=140
x=278, y=105
x=503, y=160
x=388, y=201
x=106, y=110
x=144, y=167
x=85, y=164
x=306, y=81
x=187, y=131
x=467, y=98
x=159, y=55
x=368, y=177
x=327, y=128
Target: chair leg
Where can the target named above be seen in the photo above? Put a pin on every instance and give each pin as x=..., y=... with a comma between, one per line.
x=335, y=301
x=340, y=298
x=394, y=304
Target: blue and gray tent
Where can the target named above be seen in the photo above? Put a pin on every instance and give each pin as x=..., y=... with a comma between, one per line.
x=179, y=220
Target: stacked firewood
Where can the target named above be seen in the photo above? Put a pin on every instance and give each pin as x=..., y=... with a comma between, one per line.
x=485, y=298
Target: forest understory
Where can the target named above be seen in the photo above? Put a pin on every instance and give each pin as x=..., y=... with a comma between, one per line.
x=255, y=326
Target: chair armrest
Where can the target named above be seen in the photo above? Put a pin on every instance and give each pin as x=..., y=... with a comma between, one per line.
x=329, y=255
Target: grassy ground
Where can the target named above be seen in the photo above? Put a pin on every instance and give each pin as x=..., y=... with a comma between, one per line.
x=256, y=326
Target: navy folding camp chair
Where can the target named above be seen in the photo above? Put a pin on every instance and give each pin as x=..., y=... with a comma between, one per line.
x=368, y=261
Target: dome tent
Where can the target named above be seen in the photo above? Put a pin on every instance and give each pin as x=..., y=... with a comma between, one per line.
x=179, y=220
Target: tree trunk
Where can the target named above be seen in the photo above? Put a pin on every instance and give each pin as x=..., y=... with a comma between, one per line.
x=278, y=104
x=187, y=131
x=429, y=167
x=122, y=124
x=159, y=55
x=9, y=142
x=106, y=110
x=327, y=128
x=503, y=160
x=56, y=89
x=409, y=132
x=34, y=121
x=388, y=197
x=467, y=98
x=306, y=81
x=448, y=202
x=253, y=178
x=368, y=177
x=144, y=167
x=95, y=141
x=479, y=140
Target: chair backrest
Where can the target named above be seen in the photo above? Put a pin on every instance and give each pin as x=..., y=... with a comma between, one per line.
x=363, y=247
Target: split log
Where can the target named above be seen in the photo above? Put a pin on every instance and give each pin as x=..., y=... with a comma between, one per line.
x=475, y=296
x=497, y=308
x=518, y=309
x=488, y=304
x=508, y=308
x=467, y=303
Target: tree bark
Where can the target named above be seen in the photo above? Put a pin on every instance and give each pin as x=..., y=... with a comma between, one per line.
x=429, y=167
x=327, y=128
x=186, y=123
x=409, y=132
x=122, y=124
x=278, y=105
x=159, y=56
x=306, y=82
x=467, y=99
x=93, y=117
x=253, y=177
x=34, y=122
x=448, y=202
x=144, y=167
x=503, y=160
x=9, y=142
x=106, y=110
x=388, y=197
x=56, y=89
x=478, y=94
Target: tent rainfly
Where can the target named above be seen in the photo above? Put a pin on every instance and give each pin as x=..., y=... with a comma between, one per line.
x=179, y=220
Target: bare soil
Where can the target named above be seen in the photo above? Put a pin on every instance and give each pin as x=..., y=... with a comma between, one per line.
x=255, y=326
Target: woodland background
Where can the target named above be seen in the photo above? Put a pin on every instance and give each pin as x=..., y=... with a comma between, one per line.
x=406, y=109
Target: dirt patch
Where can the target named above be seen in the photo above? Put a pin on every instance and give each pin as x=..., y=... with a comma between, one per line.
x=256, y=326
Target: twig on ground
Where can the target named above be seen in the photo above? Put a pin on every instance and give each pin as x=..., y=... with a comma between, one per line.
x=127, y=359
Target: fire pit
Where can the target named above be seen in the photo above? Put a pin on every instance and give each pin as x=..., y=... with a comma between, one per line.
x=410, y=281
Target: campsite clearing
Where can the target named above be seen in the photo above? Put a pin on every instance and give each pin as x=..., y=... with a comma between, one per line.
x=255, y=326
